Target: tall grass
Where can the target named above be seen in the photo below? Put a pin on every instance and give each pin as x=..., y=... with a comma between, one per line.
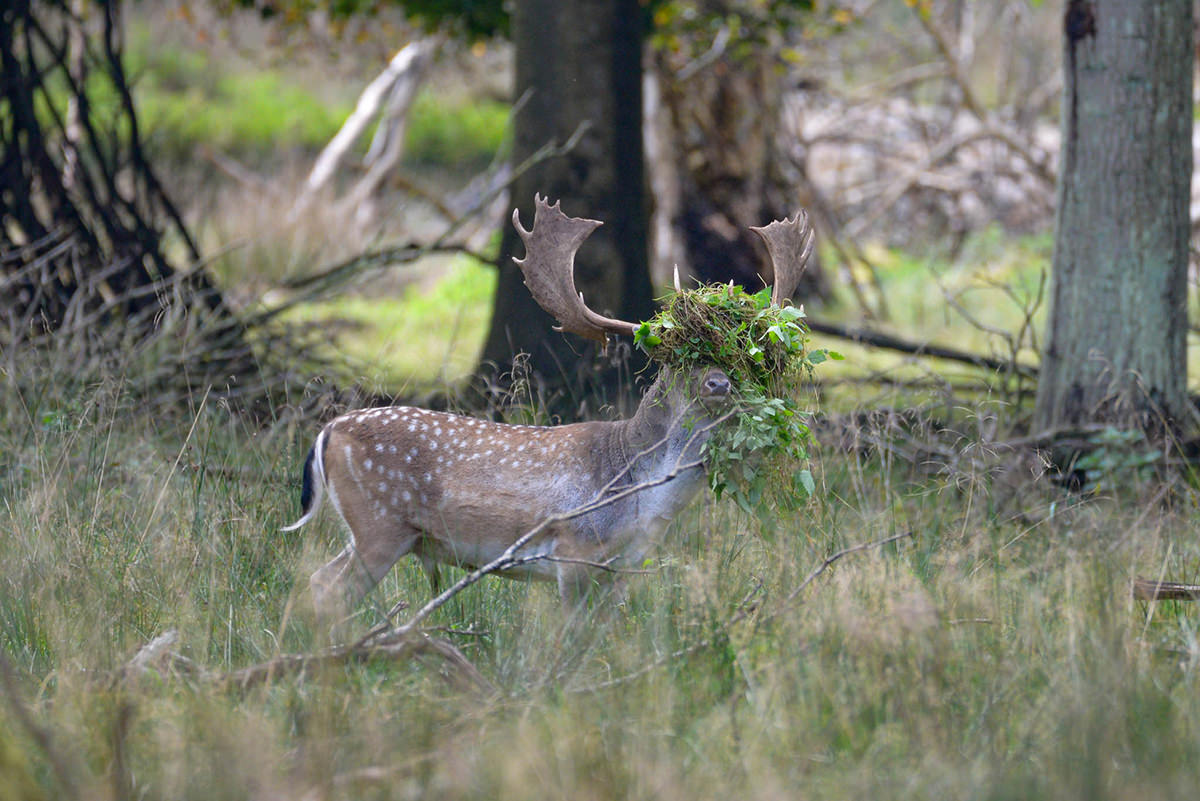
x=998, y=654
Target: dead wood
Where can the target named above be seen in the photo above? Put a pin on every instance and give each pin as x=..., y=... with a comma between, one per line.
x=878, y=339
x=391, y=647
x=1145, y=589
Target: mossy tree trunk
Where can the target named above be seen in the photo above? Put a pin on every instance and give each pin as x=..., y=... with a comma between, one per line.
x=1115, y=349
x=577, y=62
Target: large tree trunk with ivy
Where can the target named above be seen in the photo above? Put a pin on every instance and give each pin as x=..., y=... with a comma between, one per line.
x=578, y=62
x=1115, y=349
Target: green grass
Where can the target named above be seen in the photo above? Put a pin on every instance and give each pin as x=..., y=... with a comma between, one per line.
x=996, y=655
x=456, y=134
x=188, y=99
x=431, y=333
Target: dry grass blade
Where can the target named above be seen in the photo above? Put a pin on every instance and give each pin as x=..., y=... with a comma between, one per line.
x=743, y=611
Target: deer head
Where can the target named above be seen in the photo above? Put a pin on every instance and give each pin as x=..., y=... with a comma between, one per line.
x=568, y=502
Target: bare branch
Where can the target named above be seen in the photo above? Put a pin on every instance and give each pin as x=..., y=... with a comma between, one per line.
x=404, y=70
x=392, y=647
x=321, y=282
x=879, y=339
x=1145, y=589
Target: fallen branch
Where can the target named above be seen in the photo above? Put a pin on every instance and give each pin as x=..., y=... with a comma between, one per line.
x=396, y=86
x=878, y=339
x=315, y=285
x=1145, y=589
x=405, y=647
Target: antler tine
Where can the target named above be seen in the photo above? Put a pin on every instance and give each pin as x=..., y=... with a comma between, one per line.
x=789, y=243
x=549, y=267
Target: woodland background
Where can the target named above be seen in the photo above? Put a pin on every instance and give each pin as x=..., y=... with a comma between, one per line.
x=196, y=268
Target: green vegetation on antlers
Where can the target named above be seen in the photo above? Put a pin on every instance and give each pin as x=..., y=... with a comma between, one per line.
x=763, y=348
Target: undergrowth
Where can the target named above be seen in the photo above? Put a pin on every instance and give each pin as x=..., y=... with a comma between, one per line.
x=997, y=653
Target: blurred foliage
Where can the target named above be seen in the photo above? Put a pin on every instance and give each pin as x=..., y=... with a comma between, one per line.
x=429, y=335
x=691, y=27
x=749, y=21
x=463, y=133
x=188, y=98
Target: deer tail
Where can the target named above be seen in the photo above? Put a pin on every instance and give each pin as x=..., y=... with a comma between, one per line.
x=312, y=488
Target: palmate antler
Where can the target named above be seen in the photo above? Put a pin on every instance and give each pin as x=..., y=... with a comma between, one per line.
x=789, y=243
x=549, y=265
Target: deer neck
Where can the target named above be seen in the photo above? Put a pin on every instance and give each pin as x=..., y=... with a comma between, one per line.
x=667, y=432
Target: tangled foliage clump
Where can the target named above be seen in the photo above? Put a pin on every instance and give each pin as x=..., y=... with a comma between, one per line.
x=763, y=348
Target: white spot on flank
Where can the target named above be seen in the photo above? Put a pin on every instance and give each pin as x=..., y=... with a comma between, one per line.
x=378, y=448
x=367, y=464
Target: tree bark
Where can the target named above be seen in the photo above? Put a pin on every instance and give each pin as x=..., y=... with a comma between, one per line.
x=577, y=62
x=724, y=116
x=1116, y=350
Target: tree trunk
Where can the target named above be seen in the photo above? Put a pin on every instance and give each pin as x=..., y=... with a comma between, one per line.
x=723, y=116
x=577, y=62
x=1116, y=342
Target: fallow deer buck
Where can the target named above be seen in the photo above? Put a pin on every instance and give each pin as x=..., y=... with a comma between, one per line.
x=460, y=491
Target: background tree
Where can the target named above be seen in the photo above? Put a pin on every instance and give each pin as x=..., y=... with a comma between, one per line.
x=1116, y=343
x=578, y=63
x=722, y=79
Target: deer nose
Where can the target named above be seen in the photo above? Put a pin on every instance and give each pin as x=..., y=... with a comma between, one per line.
x=716, y=385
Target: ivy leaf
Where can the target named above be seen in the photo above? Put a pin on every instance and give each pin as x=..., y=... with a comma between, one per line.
x=806, y=480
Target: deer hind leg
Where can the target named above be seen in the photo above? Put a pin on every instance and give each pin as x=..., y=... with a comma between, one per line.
x=341, y=583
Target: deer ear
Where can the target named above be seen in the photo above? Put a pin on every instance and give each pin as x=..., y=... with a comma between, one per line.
x=789, y=244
